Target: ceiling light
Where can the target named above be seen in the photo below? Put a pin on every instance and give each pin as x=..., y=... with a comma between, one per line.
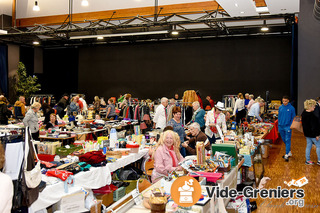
x=236, y=4
x=121, y=34
x=242, y=12
x=36, y=43
x=84, y=3
x=262, y=9
x=100, y=38
x=264, y=26
x=36, y=7
x=174, y=32
x=3, y=32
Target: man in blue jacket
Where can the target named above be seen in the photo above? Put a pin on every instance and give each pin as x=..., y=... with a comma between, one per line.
x=285, y=118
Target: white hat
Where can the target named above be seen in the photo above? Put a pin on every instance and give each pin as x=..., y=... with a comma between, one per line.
x=220, y=106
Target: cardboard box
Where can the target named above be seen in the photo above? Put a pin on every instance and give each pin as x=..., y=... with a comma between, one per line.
x=73, y=203
x=107, y=199
x=96, y=208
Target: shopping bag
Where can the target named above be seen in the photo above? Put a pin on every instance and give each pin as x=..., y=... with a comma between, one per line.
x=297, y=124
x=32, y=177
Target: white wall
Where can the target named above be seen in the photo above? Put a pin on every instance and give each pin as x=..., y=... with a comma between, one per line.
x=60, y=7
x=6, y=7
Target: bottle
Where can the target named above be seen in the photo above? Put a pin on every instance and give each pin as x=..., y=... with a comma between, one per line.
x=113, y=137
x=116, y=144
x=143, y=142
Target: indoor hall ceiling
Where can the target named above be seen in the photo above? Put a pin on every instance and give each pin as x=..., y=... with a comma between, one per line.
x=200, y=18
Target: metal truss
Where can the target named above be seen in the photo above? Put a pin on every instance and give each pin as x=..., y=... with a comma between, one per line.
x=215, y=20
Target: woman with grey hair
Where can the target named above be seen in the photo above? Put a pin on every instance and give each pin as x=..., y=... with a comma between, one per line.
x=198, y=135
x=31, y=120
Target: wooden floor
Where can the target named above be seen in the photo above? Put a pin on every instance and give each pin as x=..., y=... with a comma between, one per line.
x=279, y=171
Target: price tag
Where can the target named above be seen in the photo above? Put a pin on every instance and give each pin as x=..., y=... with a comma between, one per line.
x=136, y=197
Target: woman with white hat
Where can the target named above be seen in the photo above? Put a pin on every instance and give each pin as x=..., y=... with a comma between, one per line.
x=215, y=118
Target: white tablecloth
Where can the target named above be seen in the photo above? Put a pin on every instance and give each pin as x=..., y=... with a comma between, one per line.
x=93, y=179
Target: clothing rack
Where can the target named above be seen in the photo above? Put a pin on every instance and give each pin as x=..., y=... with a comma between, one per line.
x=229, y=100
x=42, y=98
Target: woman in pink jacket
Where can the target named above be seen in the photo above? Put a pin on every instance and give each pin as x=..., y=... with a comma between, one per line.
x=167, y=155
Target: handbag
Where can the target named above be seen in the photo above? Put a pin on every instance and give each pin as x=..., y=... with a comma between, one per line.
x=297, y=124
x=17, y=191
x=32, y=177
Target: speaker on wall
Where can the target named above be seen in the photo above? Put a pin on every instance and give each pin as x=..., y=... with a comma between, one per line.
x=316, y=10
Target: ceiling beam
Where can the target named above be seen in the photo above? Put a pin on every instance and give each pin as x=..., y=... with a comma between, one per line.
x=187, y=8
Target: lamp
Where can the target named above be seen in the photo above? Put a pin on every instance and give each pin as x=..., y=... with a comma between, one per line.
x=264, y=26
x=174, y=31
x=84, y=3
x=36, y=7
x=36, y=43
x=120, y=34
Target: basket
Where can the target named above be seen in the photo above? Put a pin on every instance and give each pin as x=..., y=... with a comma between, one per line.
x=114, y=154
x=119, y=193
x=62, y=151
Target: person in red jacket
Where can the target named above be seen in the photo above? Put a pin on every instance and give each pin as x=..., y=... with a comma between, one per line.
x=210, y=101
x=79, y=102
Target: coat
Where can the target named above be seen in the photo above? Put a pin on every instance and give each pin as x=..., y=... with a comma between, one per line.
x=22, y=106
x=31, y=120
x=163, y=163
x=4, y=113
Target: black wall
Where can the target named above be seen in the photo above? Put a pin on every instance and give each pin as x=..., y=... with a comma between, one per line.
x=214, y=67
x=308, y=55
x=27, y=58
x=60, y=71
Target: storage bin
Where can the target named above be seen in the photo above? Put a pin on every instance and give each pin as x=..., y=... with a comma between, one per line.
x=45, y=157
x=119, y=193
x=134, y=148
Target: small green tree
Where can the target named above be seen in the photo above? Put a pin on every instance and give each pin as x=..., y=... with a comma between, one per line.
x=26, y=85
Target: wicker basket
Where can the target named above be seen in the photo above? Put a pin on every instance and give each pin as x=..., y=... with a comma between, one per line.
x=114, y=154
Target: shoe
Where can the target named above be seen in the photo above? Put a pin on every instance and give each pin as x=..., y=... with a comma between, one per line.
x=309, y=162
x=318, y=163
x=289, y=154
x=286, y=158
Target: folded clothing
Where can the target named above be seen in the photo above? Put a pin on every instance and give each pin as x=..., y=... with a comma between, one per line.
x=63, y=175
x=93, y=157
x=47, y=165
x=84, y=166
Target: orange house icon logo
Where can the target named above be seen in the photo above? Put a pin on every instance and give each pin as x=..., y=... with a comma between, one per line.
x=186, y=191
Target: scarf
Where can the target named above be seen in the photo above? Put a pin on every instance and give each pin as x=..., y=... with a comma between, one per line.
x=173, y=156
x=194, y=114
x=213, y=128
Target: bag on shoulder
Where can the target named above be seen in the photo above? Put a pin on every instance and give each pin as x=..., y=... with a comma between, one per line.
x=32, y=177
x=297, y=124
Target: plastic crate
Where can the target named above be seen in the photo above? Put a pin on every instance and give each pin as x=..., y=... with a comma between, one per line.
x=119, y=193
